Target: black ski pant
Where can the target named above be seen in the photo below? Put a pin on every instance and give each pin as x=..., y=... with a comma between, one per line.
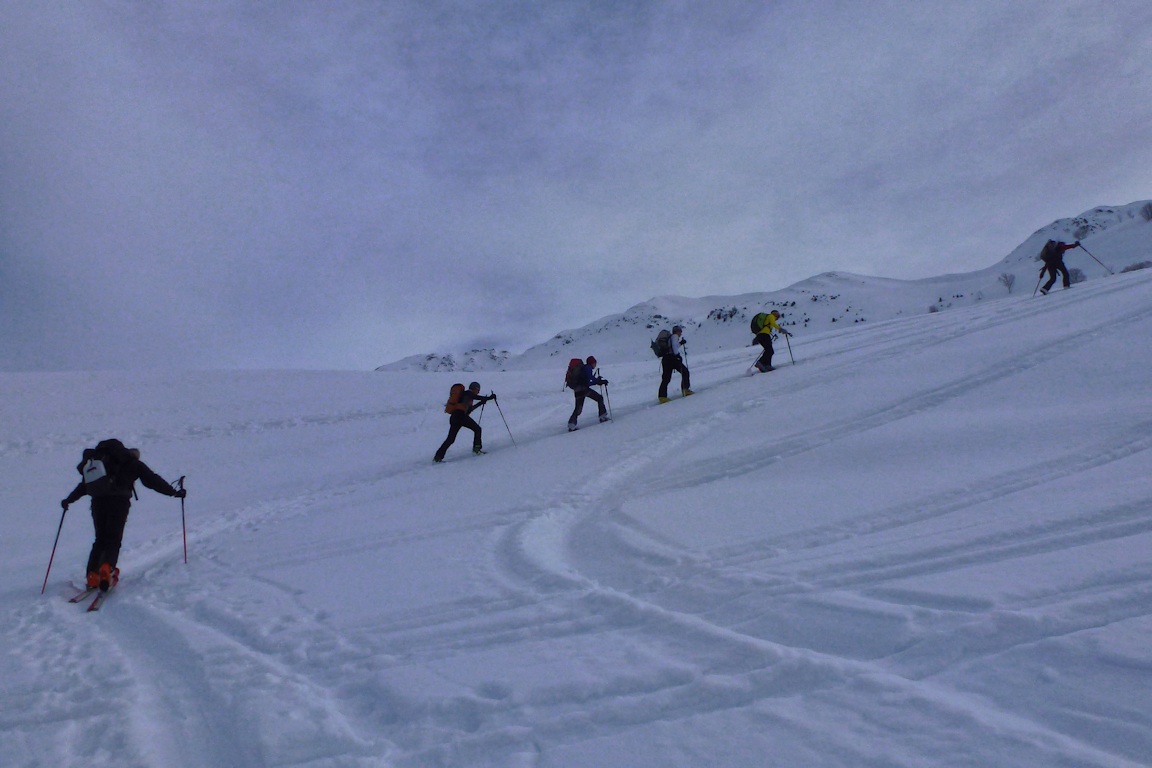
x=456, y=421
x=580, y=395
x=109, y=516
x=765, y=361
x=670, y=363
x=1053, y=268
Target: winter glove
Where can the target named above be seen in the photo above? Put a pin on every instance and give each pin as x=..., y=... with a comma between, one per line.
x=603, y=381
x=64, y=504
x=1077, y=243
x=180, y=494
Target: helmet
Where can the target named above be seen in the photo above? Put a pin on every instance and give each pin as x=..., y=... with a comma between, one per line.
x=677, y=329
x=474, y=386
x=776, y=312
x=591, y=361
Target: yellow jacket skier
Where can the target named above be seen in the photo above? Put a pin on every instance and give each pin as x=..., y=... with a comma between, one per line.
x=763, y=325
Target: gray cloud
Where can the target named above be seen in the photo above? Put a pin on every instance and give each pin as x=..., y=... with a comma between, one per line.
x=341, y=184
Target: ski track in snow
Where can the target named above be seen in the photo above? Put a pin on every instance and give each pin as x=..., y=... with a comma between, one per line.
x=783, y=632
x=539, y=551
x=547, y=548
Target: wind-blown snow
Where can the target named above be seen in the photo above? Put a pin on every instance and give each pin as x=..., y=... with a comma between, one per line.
x=925, y=544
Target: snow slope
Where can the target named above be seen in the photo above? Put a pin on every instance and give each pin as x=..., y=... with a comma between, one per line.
x=925, y=544
x=1118, y=236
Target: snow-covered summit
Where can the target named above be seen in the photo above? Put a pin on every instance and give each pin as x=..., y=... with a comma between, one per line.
x=1117, y=235
x=472, y=360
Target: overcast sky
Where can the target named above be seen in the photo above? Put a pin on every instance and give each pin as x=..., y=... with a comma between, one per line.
x=341, y=183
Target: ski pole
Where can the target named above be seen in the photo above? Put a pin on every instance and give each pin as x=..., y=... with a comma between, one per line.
x=183, y=524
x=604, y=391
x=501, y=411
x=1098, y=260
x=788, y=341
x=1038, y=283
x=53, y=556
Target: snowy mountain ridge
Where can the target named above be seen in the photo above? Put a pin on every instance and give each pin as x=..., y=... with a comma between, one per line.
x=1117, y=235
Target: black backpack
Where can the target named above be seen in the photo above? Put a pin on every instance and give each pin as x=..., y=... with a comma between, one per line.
x=663, y=344
x=1050, y=252
x=100, y=468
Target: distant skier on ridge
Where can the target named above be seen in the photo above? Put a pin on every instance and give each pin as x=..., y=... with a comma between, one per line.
x=1053, y=257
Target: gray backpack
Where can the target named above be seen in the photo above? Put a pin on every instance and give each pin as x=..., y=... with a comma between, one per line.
x=663, y=344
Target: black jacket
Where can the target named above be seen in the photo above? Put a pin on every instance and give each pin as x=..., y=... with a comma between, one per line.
x=473, y=400
x=1053, y=251
x=129, y=472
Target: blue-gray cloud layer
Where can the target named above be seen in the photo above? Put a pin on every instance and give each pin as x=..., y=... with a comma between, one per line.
x=299, y=184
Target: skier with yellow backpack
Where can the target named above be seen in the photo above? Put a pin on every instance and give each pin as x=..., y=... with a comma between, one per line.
x=763, y=326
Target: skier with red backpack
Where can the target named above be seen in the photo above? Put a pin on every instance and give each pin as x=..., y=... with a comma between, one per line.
x=581, y=378
x=108, y=475
x=461, y=403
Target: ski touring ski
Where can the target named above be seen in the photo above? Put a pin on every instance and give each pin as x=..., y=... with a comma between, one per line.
x=603, y=420
x=459, y=458
x=101, y=596
x=79, y=596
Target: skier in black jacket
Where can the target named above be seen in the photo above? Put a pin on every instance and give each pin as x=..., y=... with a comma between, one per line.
x=110, y=508
x=459, y=407
x=1053, y=257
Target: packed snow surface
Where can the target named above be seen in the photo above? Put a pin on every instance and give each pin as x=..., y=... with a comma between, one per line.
x=924, y=544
